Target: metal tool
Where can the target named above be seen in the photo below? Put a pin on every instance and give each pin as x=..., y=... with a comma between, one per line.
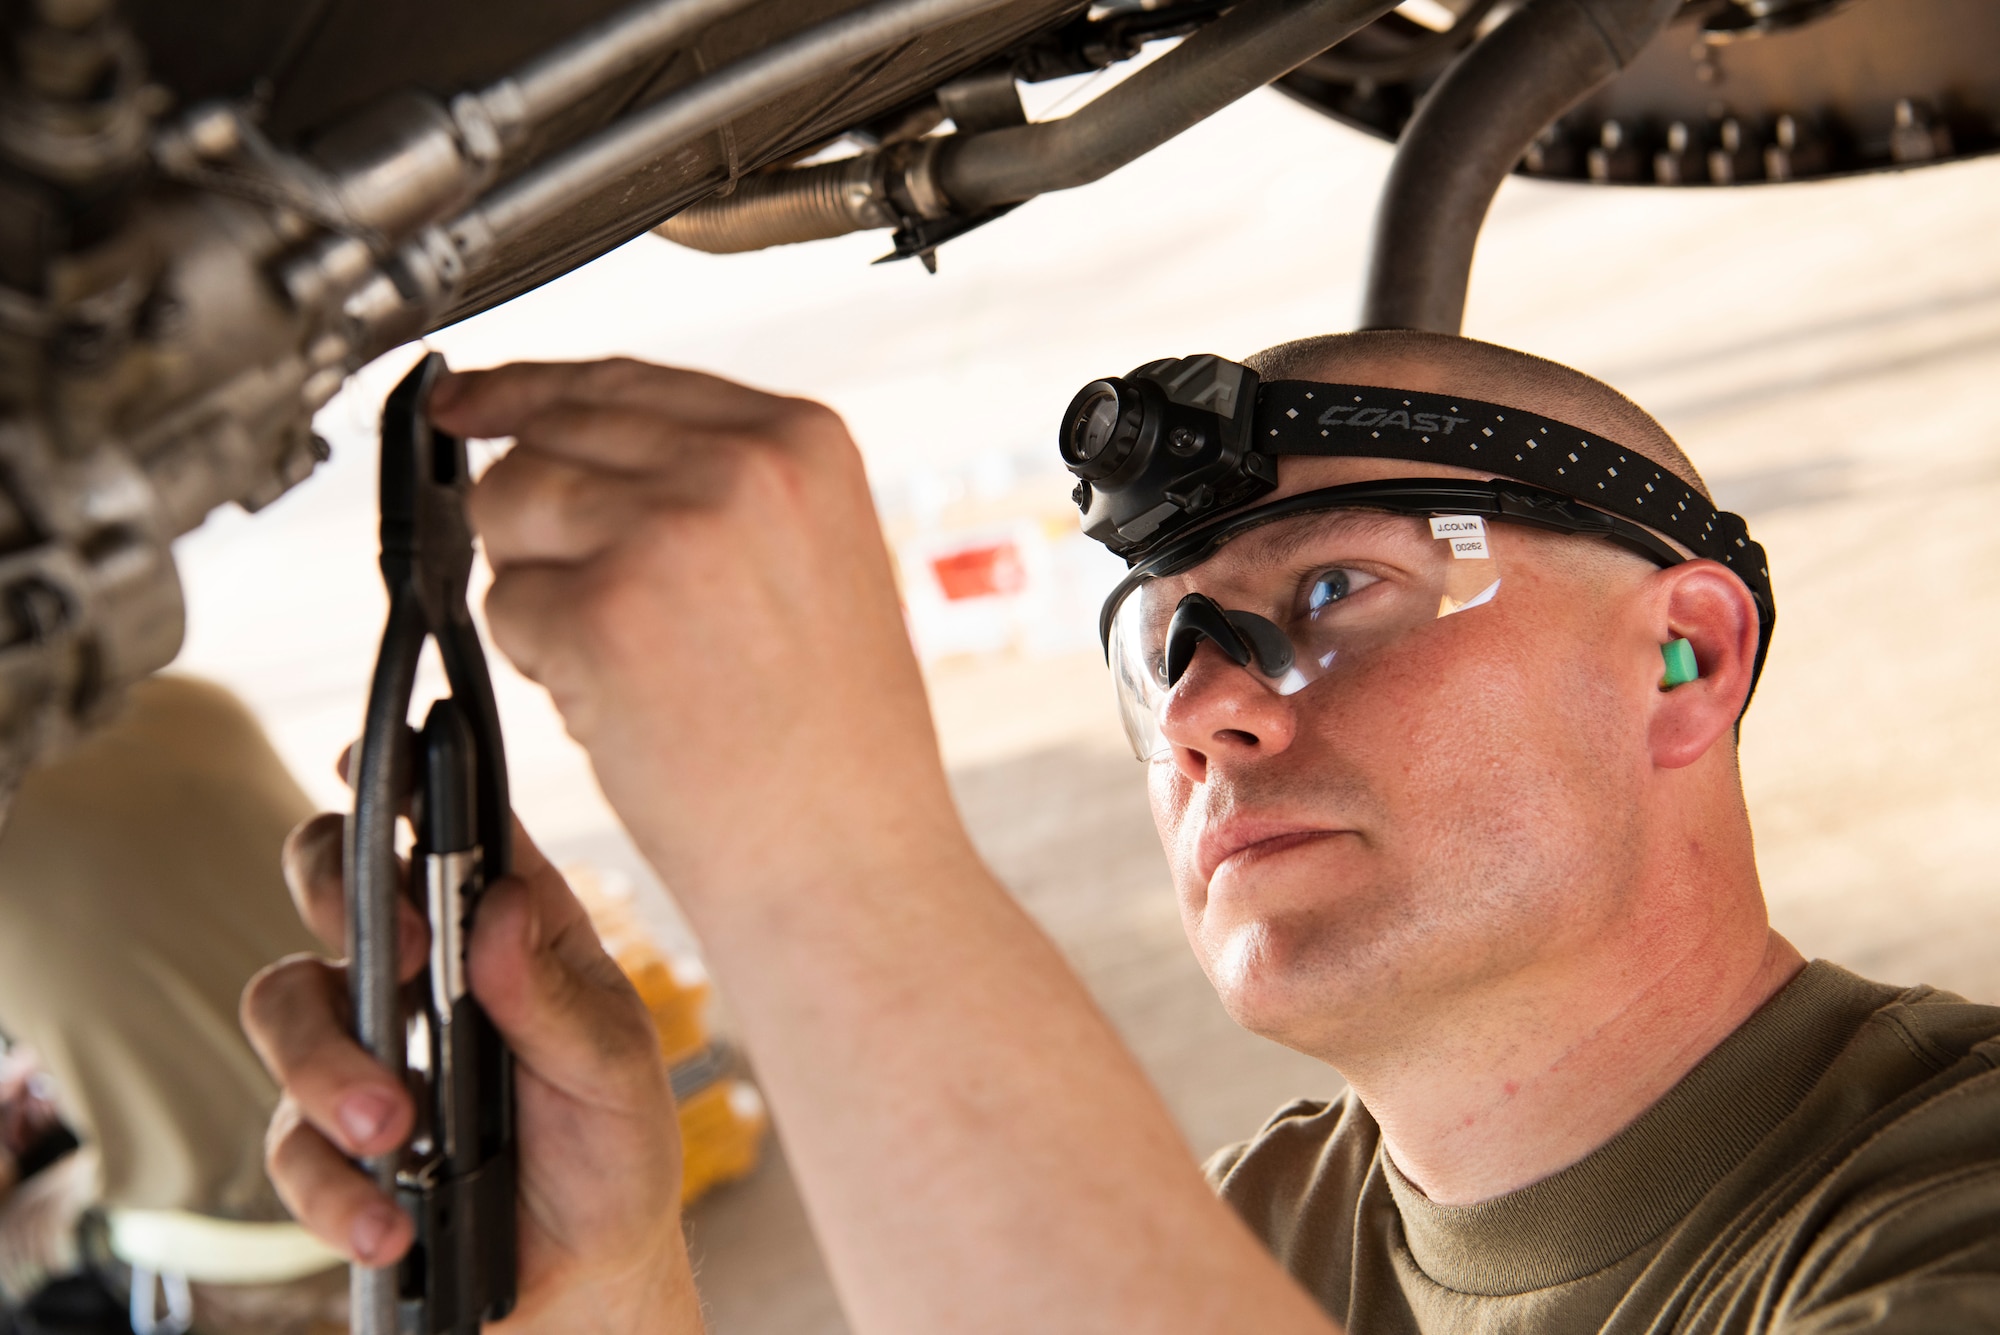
x=456, y=1179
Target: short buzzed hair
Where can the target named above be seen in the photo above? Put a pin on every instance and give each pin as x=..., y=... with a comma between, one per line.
x=1448, y=364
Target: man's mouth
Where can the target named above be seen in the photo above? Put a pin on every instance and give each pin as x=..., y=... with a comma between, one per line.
x=1242, y=840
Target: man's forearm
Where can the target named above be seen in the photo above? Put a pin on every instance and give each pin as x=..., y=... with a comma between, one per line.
x=975, y=1146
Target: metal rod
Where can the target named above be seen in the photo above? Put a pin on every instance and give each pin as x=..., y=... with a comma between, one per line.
x=600, y=53
x=1248, y=47
x=1471, y=131
x=649, y=134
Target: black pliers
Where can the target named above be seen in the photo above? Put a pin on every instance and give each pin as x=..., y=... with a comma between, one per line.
x=457, y=1177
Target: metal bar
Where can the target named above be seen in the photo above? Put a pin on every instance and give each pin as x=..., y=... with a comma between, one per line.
x=619, y=44
x=648, y=134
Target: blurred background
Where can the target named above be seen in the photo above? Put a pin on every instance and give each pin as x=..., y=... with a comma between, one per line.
x=1825, y=352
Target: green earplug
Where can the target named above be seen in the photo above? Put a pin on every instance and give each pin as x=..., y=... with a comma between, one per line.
x=1681, y=668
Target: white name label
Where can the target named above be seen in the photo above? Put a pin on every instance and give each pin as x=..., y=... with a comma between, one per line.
x=1466, y=533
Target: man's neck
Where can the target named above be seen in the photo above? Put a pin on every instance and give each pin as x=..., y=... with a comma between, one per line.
x=1566, y=1062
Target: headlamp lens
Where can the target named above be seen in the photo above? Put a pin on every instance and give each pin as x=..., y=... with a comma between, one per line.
x=1289, y=604
x=1105, y=421
x=1096, y=424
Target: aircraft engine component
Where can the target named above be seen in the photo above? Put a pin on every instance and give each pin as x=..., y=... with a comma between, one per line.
x=934, y=188
x=188, y=271
x=1732, y=92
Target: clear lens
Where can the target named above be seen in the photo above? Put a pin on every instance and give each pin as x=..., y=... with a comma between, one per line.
x=1095, y=426
x=1300, y=599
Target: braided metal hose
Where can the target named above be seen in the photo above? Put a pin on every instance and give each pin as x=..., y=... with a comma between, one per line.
x=780, y=208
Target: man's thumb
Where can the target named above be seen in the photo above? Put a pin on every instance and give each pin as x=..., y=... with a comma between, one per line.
x=558, y=999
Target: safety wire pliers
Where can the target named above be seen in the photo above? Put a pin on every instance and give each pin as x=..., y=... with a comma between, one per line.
x=456, y=1178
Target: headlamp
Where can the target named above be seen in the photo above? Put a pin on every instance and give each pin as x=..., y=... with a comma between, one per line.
x=1169, y=442
x=1169, y=455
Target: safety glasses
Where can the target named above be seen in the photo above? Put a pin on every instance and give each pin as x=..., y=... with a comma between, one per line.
x=1318, y=584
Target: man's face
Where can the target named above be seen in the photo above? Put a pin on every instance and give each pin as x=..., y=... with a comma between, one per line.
x=1457, y=808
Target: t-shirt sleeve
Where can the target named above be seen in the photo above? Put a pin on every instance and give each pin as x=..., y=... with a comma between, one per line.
x=1218, y=1165
x=1913, y=1258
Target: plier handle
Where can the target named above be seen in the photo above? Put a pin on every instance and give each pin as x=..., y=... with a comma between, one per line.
x=457, y=1176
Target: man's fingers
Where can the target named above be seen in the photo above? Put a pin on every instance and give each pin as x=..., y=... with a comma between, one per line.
x=496, y=402
x=312, y=862
x=532, y=507
x=295, y=1014
x=687, y=461
x=314, y=865
x=330, y=1196
x=562, y=1004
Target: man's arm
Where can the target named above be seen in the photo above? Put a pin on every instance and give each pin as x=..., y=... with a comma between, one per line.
x=696, y=573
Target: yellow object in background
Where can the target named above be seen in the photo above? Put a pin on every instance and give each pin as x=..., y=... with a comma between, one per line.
x=722, y=1117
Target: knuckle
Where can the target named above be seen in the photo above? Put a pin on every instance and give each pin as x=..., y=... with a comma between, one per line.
x=313, y=850
x=617, y=373
x=280, y=1137
x=809, y=422
x=282, y=997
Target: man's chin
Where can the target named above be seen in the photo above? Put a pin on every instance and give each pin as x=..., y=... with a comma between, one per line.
x=1297, y=957
x=1286, y=979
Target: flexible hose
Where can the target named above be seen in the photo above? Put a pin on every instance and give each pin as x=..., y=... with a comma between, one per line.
x=779, y=208
x=1468, y=134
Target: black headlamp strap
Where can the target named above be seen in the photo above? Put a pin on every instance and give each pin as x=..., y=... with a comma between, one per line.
x=1305, y=417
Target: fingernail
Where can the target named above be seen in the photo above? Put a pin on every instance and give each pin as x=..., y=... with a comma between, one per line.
x=445, y=390
x=362, y=1117
x=369, y=1229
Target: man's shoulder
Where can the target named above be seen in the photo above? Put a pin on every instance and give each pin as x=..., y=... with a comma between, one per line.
x=1939, y=1028
x=1304, y=1168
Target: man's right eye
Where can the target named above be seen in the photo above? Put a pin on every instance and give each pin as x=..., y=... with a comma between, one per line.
x=1333, y=586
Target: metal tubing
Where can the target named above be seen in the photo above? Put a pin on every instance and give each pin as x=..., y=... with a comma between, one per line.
x=1248, y=47
x=648, y=134
x=585, y=63
x=1471, y=131
x=781, y=208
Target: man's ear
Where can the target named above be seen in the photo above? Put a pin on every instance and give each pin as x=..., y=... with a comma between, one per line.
x=1702, y=603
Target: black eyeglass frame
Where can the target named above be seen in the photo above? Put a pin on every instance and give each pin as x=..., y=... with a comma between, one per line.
x=1506, y=502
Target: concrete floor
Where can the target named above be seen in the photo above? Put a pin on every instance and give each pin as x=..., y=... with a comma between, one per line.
x=1826, y=353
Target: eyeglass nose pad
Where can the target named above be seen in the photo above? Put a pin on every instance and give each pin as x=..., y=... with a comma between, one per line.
x=1273, y=646
x=1242, y=636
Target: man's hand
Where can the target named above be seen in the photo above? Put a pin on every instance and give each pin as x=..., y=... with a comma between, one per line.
x=694, y=571
x=601, y=1246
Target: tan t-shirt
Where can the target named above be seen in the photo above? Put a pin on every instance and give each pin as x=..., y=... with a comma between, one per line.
x=1834, y=1165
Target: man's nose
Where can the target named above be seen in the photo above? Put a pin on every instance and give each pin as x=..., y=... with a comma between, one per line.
x=1218, y=712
